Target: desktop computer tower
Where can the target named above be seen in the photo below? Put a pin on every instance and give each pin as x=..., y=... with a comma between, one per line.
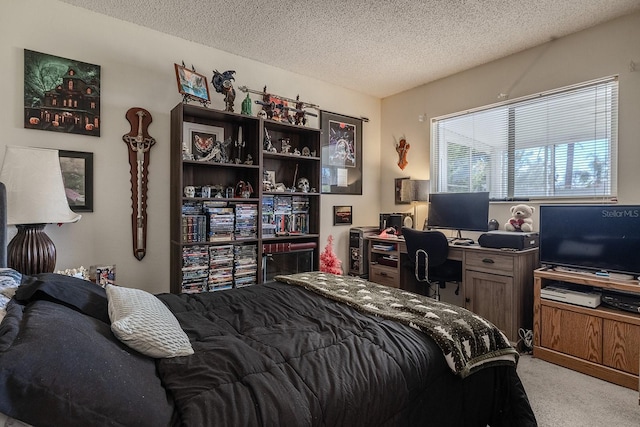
x=358, y=253
x=396, y=220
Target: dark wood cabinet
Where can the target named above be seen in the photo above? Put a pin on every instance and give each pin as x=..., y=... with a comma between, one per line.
x=223, y=234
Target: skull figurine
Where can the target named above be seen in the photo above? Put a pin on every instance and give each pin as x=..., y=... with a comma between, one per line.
x=303, y=184
x=190, y=191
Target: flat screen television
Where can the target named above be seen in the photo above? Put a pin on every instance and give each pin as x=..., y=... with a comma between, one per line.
x=591, y=237
x=459, y=211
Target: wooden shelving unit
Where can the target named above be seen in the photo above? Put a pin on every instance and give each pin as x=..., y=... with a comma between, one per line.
x=286, y=167
x=602, y=342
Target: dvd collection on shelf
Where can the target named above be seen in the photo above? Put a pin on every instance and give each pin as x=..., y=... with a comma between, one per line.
x=218, y=267
x=285, y=215
x=209, y=221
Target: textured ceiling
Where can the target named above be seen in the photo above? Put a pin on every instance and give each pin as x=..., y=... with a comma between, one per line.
x=377, y=47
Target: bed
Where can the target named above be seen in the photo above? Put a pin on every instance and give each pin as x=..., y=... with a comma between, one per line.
x=304, y=350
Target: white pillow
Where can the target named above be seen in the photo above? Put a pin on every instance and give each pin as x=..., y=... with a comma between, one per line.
x=144, y=323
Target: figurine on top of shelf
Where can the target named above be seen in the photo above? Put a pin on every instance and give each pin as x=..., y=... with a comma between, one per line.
x=276, y=107
x=222, y=83
x=246, y=105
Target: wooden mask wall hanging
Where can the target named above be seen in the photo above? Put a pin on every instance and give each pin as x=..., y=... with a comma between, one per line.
x=139, y=144
x=402, y=148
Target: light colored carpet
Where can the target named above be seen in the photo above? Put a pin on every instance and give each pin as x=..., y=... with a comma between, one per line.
x=561, y=397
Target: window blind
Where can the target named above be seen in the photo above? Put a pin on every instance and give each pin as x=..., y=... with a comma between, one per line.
x=561, y=143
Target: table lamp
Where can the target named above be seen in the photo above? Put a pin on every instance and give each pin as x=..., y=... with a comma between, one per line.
x=35, y=197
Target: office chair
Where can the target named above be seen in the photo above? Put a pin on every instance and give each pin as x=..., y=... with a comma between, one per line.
x=427, y=254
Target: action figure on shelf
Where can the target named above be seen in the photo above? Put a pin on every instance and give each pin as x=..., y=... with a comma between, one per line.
x=275, y=107
x=246, y=105
x=267, y=144
x=222, y=83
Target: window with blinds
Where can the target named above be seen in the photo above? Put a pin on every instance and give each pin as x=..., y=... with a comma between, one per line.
x=555, y=144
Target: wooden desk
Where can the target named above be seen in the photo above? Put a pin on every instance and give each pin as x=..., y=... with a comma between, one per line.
x=497, y=284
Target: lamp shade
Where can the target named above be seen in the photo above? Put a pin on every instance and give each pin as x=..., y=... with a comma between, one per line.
x=420, y=190
x=414, y=190
x=35, y=190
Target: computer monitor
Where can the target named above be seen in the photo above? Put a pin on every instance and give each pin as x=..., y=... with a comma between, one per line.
x=459, y=211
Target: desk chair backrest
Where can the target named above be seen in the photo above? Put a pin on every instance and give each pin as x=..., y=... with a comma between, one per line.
x=434, y=243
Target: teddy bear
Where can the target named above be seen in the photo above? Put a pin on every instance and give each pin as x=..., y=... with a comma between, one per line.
x=520, y=219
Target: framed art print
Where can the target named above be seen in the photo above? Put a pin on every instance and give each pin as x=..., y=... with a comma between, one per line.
x=342, y=215
x=192, y=85
x=61, y=95
x=77, y=175
x=200, y=140
x=341, y=154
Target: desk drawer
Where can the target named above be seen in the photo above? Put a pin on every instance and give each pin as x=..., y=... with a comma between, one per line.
x=489, y=262
x=384, y=275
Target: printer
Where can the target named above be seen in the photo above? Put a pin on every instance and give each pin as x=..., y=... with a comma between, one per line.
x=509, y=240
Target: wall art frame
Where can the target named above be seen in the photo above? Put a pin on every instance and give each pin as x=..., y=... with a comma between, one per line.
x=192, y=85
x=77, y=175
x=61, y=94
x=342, y=215
x=199, y=140
x=341, y=153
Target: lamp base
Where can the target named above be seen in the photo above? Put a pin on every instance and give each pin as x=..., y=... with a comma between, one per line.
x=31, y=251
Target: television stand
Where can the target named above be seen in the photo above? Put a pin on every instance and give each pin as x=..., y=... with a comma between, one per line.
x=601, y=274
x=602, y=342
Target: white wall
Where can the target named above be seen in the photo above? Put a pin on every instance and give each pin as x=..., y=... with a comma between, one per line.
x=137, y=71
x=601, y=51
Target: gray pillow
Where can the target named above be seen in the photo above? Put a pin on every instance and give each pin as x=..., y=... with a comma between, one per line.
x=144, y=323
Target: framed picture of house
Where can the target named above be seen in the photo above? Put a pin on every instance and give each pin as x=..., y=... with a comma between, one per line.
x=77, y=175
x=192, y=85
x=60, y=94
x=341, y=154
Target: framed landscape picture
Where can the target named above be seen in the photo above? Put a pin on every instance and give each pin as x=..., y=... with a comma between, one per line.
x=192, y=85
x=342, y=215
x=77, y=175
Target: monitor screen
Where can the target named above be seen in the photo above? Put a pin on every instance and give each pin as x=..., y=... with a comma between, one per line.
x=591, y=237
x=459, y=211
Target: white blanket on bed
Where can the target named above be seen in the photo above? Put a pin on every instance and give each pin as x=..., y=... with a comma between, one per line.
x=9, y=282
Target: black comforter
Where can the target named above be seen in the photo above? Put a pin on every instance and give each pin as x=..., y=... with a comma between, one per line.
x=267, y=355
x=281, y=355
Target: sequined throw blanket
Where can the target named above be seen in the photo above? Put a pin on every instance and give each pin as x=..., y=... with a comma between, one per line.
x=468, y=341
